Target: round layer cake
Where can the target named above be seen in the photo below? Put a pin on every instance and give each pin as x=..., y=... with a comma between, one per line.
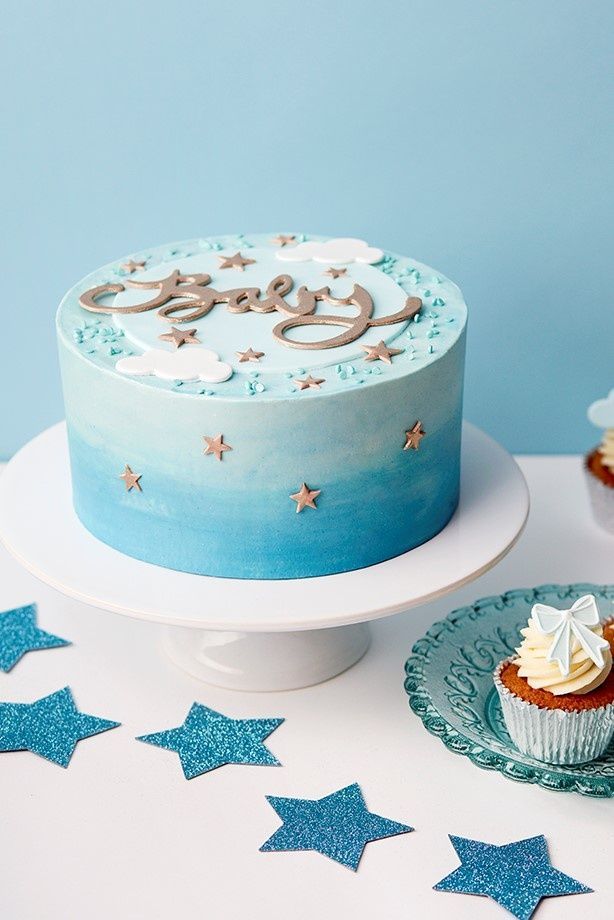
x=262, y=406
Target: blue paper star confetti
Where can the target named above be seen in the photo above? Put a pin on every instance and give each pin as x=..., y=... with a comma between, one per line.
x=338, y=825
x=20, y=634
x=50, y=727
x=517, y=875
x=208, y=739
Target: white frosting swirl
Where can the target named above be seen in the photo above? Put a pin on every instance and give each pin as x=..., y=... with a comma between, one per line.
x=541, y=674
x=607, y=449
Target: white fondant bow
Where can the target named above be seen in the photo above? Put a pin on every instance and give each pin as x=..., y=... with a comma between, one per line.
x=564, y=625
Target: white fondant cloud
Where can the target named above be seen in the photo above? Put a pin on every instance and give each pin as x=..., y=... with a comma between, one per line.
x=188, y=363
x=341, y=250
x=601, y=413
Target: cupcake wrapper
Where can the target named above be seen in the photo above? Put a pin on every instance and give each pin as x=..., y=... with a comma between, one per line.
x=602, y=500
x=554, y=735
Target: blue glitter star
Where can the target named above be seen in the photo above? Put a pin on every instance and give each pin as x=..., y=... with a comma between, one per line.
x=338, y=825
x=517, y=875
x=208, y=739
x=20, y=634
x=50, y=727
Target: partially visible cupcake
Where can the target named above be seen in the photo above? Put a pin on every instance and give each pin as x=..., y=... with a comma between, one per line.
x=599, y=464
x=557, y=696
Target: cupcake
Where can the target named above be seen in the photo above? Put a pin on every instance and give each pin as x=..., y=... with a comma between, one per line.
x=557, y=695
x=599, y=464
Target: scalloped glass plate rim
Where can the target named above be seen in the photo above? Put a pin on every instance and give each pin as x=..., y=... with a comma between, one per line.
x=497, y=751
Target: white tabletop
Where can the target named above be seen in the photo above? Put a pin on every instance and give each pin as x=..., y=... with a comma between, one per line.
x=121, y=834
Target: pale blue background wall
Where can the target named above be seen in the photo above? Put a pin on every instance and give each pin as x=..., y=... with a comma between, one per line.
x=476, y=136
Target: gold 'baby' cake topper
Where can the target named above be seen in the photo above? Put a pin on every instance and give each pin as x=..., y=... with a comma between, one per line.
x=195, y=296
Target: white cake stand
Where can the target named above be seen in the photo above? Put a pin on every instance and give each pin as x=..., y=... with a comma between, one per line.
x=257, y=635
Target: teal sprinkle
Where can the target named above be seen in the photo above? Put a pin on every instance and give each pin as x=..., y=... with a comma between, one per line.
x=254, y=374
x=204, y=244
x=431, y=350
x=427, y=293
x=301, y=238
x=259, y=387
x=209, y=392
x=417, y=318
x=338, y=368
x=300, y=371
x=366, y=370
x=376, y=370
x=439, y=302
x=451, y=319
x=91, y=351
x=115, y=351
x=409, y=334
x=248, y=386
x=342, y=375
x=288, y=375
x=217, y=246
x=350, y=368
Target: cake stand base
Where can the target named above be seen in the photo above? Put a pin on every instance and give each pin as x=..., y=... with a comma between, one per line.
x=257, y=635
x=268, y=660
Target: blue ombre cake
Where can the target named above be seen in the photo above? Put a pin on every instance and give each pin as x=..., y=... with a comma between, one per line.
x=264, y=406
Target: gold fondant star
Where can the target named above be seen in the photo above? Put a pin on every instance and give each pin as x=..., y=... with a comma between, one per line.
x=414, y=436
x=335, y=272
x=380, y=352
x=309, y=383
x=180, y=337
x=216, y=446
x=305, y=497
x=249, y=355
x=131, y=266
x=282, y=240
x=131, y=479
x=236, y=261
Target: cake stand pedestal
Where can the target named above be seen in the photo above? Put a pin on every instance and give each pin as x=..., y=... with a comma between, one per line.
x=257, y=635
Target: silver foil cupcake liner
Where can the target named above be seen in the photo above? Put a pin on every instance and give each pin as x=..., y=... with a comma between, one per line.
x=602, y=500
x=554, y=735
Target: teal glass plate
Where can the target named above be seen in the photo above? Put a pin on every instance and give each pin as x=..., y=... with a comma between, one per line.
x=450, y=686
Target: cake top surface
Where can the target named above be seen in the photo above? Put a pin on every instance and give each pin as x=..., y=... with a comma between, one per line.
x=262, y=315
